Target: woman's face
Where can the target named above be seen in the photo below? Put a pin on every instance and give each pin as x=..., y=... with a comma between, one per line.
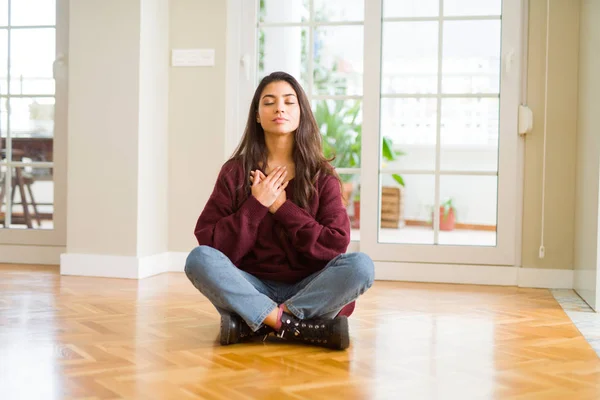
x=278, y=108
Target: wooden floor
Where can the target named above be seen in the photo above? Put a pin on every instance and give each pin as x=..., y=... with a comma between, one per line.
x=92, y=338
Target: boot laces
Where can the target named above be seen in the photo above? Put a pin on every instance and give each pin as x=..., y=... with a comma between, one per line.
x=309, y=331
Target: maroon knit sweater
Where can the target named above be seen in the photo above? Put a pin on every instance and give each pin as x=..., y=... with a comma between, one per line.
x=286, y=246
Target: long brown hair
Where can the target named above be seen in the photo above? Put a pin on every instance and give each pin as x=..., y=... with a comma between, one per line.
x=310, y=163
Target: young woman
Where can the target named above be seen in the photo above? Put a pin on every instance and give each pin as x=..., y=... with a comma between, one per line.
x=273, y=234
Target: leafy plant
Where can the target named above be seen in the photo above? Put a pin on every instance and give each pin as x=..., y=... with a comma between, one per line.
x=342, y=135
x=448, y=206
x=389, y=154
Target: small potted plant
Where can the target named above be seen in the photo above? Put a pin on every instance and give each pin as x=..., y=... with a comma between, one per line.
x=447, y=215
x=356, y=207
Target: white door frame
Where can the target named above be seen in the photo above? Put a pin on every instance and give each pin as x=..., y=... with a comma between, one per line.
x=509, y=176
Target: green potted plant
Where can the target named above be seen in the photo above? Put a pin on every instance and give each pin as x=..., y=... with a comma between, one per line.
x=447, y=214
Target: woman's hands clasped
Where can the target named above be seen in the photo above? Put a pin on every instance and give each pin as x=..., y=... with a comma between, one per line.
x=270, y=190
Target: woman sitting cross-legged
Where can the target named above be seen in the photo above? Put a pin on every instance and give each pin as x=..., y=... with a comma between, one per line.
x=274, y=233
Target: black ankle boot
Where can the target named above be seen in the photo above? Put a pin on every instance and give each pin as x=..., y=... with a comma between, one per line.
x=331, y=333
x=234, y=329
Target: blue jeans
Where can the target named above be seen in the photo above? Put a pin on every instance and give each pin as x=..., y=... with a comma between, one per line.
x=322, y=294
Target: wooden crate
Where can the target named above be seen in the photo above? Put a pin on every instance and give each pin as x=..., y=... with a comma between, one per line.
x=391, y=207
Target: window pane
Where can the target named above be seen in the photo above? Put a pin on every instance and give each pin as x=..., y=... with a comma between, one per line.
x=410, y=126
x=406, y=211
x=32, y=200
x=3, y=120
x=3, y=13
x=339, y=10
x=32, y=117
x=3, y=61
x=33, y=12
x=351, y=197
x=340, y=123
x=469, y=134
x=283, y=11
x=472, y=7
x=32, y=56
x=409, y=65
x=410, y=8
x=338, y=60
x=471, y=61
x=283, y=49
x=468, y=210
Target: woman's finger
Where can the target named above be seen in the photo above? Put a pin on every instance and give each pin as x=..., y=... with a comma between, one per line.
x=281, y=179
x=282, y=188
x=274, y=177
x=255, y=181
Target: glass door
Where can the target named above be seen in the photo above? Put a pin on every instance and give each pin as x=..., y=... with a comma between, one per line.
x=440, y=144
x=418, y=101
x=33, y=47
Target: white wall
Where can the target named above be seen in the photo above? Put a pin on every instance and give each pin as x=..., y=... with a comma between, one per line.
x=153, y=143
x=587, y=239
x=118, y=139
x=102, y=160
x=561, y=135
x=196, y=116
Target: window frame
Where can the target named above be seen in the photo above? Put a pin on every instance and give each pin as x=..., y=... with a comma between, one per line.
x=57, y=235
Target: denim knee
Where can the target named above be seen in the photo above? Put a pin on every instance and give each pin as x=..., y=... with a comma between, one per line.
x=362, y=266
x=197, y=260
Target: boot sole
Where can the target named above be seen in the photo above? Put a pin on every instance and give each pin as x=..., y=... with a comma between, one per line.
x=341, y=330
x=228, y=330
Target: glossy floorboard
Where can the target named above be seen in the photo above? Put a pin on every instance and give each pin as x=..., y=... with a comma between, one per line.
x=92, y=338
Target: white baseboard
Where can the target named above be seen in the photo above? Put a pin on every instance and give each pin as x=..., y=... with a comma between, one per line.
x=546, y=278
x=446, y=273
x=139, y=268
x=475, y=274
x=108, y=266
x=177, y=261
x=153, y=265
x=21, y=254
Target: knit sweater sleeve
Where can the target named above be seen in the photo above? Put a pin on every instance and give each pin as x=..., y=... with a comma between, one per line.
x=233, y=232
x=325, y=236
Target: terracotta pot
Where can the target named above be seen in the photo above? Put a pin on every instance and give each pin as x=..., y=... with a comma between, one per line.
x=347, y=188
x=447, y=222
x=356, y=218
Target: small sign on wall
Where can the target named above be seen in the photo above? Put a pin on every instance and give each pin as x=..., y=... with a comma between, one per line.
x=193, y=57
